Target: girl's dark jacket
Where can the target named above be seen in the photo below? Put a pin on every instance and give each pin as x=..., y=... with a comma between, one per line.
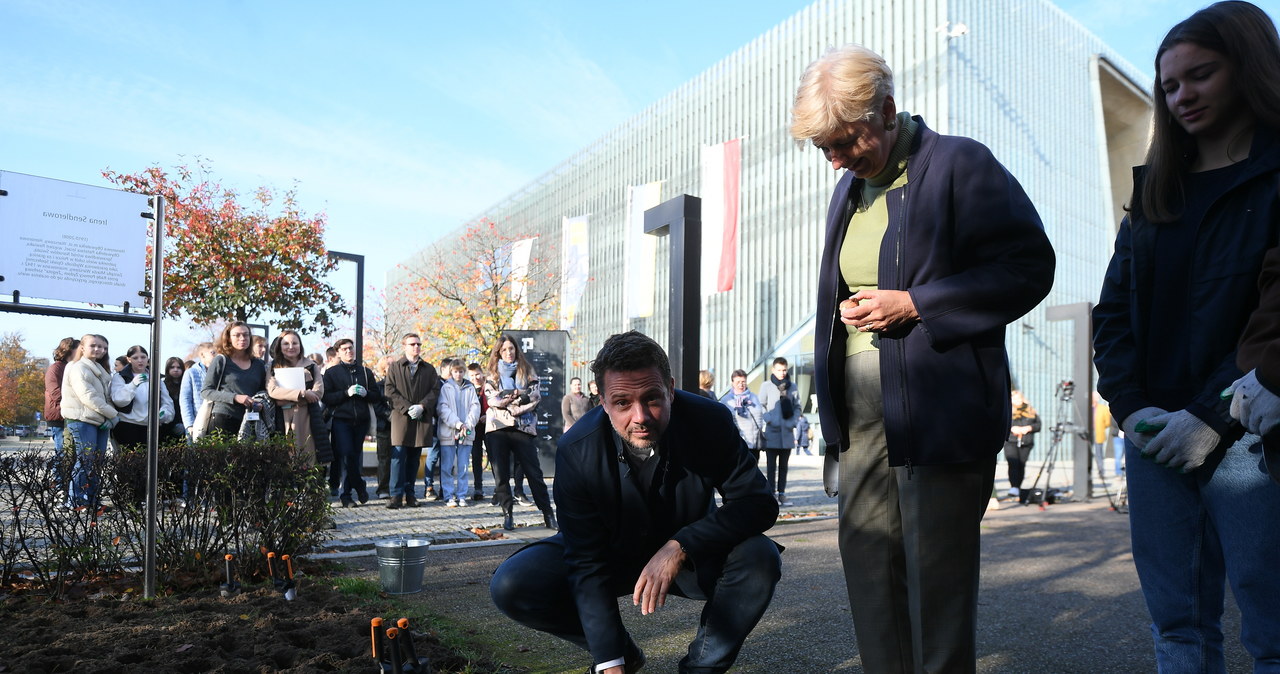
x=965, y=241
x=1230, y=244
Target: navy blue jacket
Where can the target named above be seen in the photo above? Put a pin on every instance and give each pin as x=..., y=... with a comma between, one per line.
x=1231, y=241
x=967, y=244
x=607, y=530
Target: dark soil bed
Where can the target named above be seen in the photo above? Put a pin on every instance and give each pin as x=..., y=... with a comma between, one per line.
x=323, y=630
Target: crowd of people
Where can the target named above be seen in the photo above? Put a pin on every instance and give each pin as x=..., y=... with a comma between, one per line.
x=467, y=416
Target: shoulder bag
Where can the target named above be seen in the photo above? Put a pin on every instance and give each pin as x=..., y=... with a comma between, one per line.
x=201, y=427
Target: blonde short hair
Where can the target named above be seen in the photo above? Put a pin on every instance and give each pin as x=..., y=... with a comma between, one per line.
x=845, y=85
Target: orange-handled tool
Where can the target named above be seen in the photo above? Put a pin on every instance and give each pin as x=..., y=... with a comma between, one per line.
x=394, y=650
x=375, y=638
x=411, y=661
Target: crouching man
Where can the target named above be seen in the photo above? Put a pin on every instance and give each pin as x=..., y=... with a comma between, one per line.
x=634, y=487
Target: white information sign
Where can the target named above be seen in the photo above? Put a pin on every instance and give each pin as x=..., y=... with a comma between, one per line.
x=71, y=242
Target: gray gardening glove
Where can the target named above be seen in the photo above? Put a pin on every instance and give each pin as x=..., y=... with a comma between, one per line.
x=1182, y=440
x=1130, y=423
x=1257, y=409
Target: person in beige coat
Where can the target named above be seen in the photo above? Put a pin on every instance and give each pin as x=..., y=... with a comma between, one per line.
x=89, y=415
x=295, y=405
x=413, y=389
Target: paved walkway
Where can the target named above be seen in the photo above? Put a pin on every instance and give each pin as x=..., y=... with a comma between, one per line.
x=359, y=528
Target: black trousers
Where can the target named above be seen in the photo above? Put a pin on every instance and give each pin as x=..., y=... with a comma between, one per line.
x=227, y=424
x=532, y=588
x=509, y=445
x=129, y=434
x=1016, y=457
x=776, y=458
x=477, y=465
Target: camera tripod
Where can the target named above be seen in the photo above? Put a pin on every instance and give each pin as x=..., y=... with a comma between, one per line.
x=1062, y=425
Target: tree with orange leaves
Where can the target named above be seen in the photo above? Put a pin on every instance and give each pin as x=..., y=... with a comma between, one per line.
x=225, y=260
x=461, y=294
x=21, y=381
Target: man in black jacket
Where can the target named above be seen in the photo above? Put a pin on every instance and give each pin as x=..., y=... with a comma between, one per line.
x=349, y=390
x=634, y=487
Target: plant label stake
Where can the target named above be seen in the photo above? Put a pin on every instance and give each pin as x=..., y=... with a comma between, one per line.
x=230, y=588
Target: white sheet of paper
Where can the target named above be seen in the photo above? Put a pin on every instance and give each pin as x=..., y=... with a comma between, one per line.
x=291, y=377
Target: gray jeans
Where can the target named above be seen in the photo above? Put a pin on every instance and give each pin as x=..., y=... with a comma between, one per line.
x=908, y=541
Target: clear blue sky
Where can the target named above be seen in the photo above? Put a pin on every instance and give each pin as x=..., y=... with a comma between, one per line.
x=400, y=120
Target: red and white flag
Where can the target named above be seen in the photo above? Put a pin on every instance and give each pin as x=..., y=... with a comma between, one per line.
x=721, y=178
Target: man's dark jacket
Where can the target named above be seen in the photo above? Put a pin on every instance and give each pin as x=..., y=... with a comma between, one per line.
x=405, y=390
x=967, y=244
x=350, y=409
x=607, y=531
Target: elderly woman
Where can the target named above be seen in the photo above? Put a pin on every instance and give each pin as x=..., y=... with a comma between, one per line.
x=931, y=249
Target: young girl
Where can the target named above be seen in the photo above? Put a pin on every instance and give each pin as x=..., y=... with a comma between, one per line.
x=174, y=369
x=89, y=415
x=456, y=414
x=1177, y=294
x=130, y=393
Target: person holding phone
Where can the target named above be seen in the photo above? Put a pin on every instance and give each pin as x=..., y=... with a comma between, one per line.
x=513, y=393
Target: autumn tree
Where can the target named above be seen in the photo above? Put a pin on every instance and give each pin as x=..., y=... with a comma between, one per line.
x=384, y=326
x=462, y=293
x=21, y=381
x=234, y=259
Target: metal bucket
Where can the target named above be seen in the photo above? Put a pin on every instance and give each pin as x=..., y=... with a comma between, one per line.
x=402, y=564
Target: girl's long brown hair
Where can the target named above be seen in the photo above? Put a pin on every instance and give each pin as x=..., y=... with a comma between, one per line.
x=1247, y=37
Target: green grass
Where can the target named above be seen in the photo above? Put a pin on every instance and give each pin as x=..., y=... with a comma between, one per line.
x=361, y=588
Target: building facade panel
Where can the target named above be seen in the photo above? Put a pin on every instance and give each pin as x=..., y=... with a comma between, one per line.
x=1019, y=75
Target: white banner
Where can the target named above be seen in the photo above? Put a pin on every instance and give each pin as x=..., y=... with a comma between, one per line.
x=520, y=252
x=574, y=256
x=71, y=242
x=642, y=252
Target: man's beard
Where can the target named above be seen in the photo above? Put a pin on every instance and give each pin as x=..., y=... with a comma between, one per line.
x=638, y=453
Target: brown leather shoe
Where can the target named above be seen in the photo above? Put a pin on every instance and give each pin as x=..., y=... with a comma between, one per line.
x=397, y=502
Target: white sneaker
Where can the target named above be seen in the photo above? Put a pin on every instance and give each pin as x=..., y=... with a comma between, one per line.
x=462, y=503
x=451, y=503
